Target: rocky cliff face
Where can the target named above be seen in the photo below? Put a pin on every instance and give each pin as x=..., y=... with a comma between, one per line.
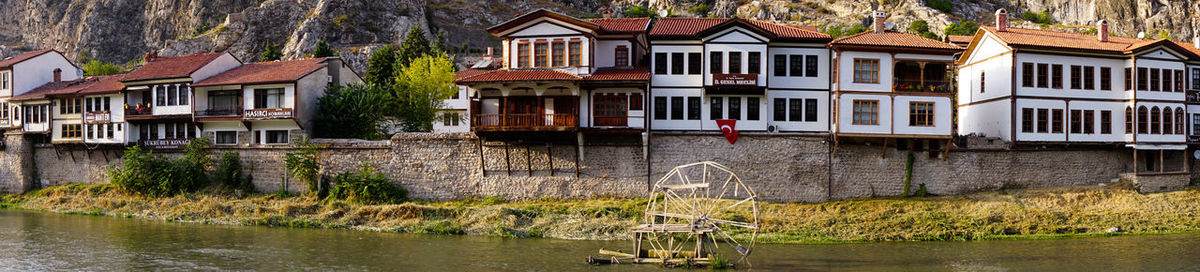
x=122, y=30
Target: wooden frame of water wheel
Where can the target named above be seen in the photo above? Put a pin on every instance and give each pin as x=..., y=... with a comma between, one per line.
x=692, y=211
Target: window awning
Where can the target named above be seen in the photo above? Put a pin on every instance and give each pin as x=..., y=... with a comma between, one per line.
x=1157, y=146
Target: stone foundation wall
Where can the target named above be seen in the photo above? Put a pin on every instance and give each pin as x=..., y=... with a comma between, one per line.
x=782, y=168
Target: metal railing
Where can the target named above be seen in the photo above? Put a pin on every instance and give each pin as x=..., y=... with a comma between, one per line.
x=222, y=110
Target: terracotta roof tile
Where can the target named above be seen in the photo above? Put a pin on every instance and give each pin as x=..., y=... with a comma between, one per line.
x=86, y=86
x=9, y=62
x=960, y=39
x=1189, y=46
x=470, y=73
x=627, y=74
x=893, y=39
x=171, y=67
x=621, y=25
x=265, y=72
x=1063, y=40
x=520, y=75
x=104, y=85
x=792, y=32
x=688, y=28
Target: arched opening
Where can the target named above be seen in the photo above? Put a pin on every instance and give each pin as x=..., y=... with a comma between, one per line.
x=1167, y=127
x=1143, y=118
x=1128, y=120
x=1154, y=121
x=1179, y=121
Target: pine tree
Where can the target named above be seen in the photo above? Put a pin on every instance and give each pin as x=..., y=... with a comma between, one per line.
x=272, y=52
x=380, y=67
x=322, y=50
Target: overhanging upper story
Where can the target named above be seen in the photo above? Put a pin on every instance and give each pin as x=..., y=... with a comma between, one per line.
x=545, y=39
x=161, y=88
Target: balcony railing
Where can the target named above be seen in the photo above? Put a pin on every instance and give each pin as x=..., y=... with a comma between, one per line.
x=138, y=109
x=222, y=111
x=932, y=86
x=525, y=121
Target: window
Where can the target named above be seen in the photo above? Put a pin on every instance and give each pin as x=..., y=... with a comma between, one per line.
x=780, y=65
x=810, y=110
x=184, y=93
x=982, y=81
x=1142, y=120
x=540, y=59
x=558, y=56
x=1195, y=78
x=715, y=110
x=660, y=63
x=574, y=51
x=523, y=55
x=1167, y=115
x=660, y=108
x=735, y=63
x=714, y=62
x=1105, y=78
x=4, y=81
x=277, y=137
x=1057, y=124
x=866, y=71
x=1089, y=122
x=1154, y=80
x=676, y=108
x=622, y=56
x=1141, y=78
x=694, y=108
x=695, y=63
x=920, y=114
x=1043, y=72
x=1043, y=120
x=779, y=108
x=71, y=131
x=735, y=108
x=70, y=106
x=1056, y=77
x=1166, y=81
x=1128, y=120
x=1077, y=118
x=268, y=98
x=1195, y=122
x=754, y=63
x=796, y=65
x=752, y=108
x=1178, y=80
x=1026, y=74
x=160, y=95
x=866, y=112
x=676, y=63
x=1178, y=120
x=1026, y=120
x=810, y=66
x=1155, y=120
x=1105, y=122
x=226, y=138
x=1128, y=79
x=635, y=101
x=1089, y=77
x=795, y=108
x=1076, y=77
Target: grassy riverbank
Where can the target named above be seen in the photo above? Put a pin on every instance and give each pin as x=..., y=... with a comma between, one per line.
x=1011, y=214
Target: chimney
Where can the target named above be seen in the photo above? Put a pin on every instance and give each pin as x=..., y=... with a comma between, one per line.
x=488, y=56
x=880, y=20
x=1001, y=20
x=150, y=56
x=57, y=75
x=1102, y=30
x=1196, y=41
x=606, y=13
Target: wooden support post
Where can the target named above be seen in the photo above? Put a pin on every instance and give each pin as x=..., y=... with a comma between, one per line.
x=507, y=162
x=482, y=166
x=578, y=149
x=1161, y=160
x=885, y=147
x=835, y=145
x=1135, y=161
x=528, y=161
x=946, y=156
x=550, y=157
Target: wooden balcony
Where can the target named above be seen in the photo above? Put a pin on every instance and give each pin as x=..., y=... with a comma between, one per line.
x=919, y=86
x=1193, y=96
x=525, y=122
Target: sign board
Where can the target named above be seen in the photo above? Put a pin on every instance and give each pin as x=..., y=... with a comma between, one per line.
x=97, y=117
x=735, y=79
x=165, y=143
x=264, y=114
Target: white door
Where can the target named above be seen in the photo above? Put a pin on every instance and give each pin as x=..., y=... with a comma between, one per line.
x=549, y=111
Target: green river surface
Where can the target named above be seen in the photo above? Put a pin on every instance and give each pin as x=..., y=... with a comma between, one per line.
x=38, y=241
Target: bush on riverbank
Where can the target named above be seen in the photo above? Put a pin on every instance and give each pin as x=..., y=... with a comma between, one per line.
x=151, y=174
x=366, y=186
x=229, y=173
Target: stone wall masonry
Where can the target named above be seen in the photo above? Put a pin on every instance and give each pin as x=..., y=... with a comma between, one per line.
x=781, y=168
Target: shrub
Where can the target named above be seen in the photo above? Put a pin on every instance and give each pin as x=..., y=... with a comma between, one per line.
x=637, y=12
x=146, y=173
x=303, y=165
x=942, y=5
x=229, y=172
x=961, y=28
x=366, y=186
x=271, y=52
x=700, y=10
x=323, y=50
x=918, y=27
x=100, y=68
x=1038, y=17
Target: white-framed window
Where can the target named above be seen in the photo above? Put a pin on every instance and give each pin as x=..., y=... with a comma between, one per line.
x=268, y=98
x=276, y=137
x=225, y=138
x=4, y=80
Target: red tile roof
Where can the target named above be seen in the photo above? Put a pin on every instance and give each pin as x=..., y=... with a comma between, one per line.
x=621, y=74
x=265, y=72
x=520, y=75
x=893, y=39
x=529, y=17
x=621, y=25
x=171, y=67
x=689, y=28
x=470, y=73
x=959, y=39
x=1023, y=37
x=86, y=86
x=9, y=62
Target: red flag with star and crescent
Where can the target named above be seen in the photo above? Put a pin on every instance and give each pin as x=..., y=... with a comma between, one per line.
x=729, y=129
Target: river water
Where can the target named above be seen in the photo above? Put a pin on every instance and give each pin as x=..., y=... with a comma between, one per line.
x=34, y=241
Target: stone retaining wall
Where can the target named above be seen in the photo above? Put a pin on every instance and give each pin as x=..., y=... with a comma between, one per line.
x=790, y=168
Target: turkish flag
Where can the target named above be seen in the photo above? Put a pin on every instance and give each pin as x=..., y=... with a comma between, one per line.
x=729, y=129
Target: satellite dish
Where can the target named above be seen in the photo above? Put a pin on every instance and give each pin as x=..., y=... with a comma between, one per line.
x=889, y=25
x=1141, y=35
x=1196, y=154
x=662, y=13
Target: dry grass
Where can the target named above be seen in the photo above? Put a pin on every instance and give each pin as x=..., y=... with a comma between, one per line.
x=1066, y=211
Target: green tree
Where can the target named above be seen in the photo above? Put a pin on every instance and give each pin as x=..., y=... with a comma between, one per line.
x=352, y=111
x=304, y=165
x=918, y=27
x=1164, y=34
x=700, y=10
x=961, y=28
x=638, y=12
x=271, y=52
x=1038, y=17
x=414, y=46
x=421, y=87
x=323, y=50
x=942, y=5
x=381, y=66
x=100, y=68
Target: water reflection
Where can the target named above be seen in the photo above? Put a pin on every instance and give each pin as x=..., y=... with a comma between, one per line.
x=40, y=241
